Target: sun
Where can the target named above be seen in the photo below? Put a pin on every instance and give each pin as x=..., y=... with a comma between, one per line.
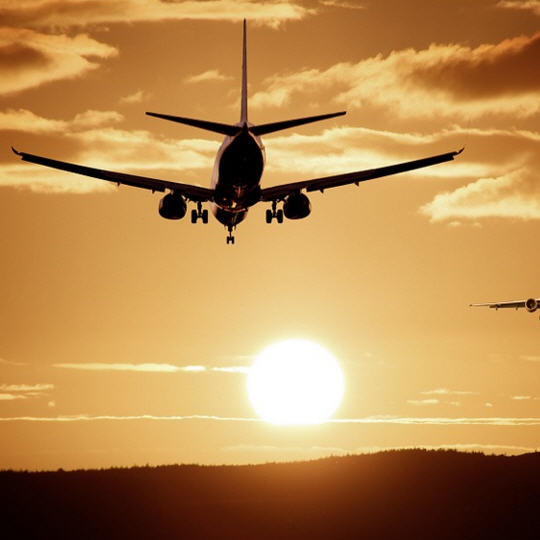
x=295, y=382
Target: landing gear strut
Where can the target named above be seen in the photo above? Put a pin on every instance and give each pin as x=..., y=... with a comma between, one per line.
x=199, y=214
x=277, y=214
x=230, y=237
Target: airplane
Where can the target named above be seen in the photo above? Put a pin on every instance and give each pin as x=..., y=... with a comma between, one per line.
x=238, y=168
x=531, y=304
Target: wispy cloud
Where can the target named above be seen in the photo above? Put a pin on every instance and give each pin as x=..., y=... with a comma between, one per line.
x=26, y=387
x=530, y=358
x=11, y=362
x=342, y=4
x=150, y=367
x=526, y=5
x=96, y=366
x=514, y=195
x=80, y=13
x=431, y=401
x=29, y=59
x=448, y=80
x=210, y=75
x=89, y=418
x=9, y=392
x=392, y=420
x=10, y=397
x=136, y=97
x=448, y=392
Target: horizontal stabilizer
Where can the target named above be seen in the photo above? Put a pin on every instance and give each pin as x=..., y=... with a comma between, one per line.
x=225, y=129
x=278, y=126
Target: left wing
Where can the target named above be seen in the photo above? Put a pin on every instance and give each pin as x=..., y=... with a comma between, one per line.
x=193, y=193
x=277, y=193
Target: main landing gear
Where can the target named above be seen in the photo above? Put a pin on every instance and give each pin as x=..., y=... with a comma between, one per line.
x=277, y=214
x=230, y=237
x=199, y=214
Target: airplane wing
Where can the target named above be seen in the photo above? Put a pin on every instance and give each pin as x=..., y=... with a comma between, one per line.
x=531, y=303
x=277, y=193
x=193, y=193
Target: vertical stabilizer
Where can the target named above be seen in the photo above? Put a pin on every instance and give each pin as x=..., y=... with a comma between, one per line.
x=243, y=110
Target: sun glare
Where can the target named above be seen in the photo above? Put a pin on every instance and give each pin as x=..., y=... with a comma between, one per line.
x=295, y=382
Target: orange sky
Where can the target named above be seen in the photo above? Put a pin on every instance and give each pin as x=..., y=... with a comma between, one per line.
x=95, y=285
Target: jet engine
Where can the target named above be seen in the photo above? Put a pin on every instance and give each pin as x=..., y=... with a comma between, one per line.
x=296, y=206
x=531, y=304
x=172, y=206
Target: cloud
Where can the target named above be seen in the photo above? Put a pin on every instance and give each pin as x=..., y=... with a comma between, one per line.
x=26, y=387
x=391, y=420
x=10, y=392
x=431, y=401
x=446, y=80
x=527, y=5
x=89, y=418
x=512, y=195
x=29, y=59
x=342, y=4
x=447, y=392
x=166, y=368
x=136, y=97
x=524, y=398
x=80, y=13
x=11, y=363
x=149, y=367
x=9, y=397
x=530, y=358
x=93, y=119
x=210, y=75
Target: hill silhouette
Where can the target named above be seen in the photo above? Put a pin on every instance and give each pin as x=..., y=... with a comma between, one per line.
x=400, y=494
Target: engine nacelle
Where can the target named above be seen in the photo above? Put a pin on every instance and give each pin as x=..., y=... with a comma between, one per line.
x=172, y=206
x=531, y=304
x=296, y=206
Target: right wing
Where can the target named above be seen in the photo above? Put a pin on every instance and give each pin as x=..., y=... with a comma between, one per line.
x=516, y=304
x=277, y=193
x=193, y=193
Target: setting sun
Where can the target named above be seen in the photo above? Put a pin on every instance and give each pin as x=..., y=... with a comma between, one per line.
x=295, y=382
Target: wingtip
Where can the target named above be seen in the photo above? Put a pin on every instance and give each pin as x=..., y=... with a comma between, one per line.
x=460, y=150
x=15, y=151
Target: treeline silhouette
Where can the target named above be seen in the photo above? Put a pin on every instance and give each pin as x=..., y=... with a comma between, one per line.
x=399, y=494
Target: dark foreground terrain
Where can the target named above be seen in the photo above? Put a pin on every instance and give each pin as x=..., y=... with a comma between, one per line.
x=406, y=494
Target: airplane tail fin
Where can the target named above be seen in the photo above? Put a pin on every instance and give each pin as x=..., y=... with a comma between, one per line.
x=262, y=129
x=244, y=109
x=231, y=130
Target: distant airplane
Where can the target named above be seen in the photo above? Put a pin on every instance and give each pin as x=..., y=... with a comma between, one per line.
x=531, y=304
x=239, y=164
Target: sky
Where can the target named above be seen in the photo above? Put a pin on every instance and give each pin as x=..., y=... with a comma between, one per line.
x=126, y=338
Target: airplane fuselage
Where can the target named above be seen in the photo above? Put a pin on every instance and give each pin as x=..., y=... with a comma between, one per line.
x=236, y=176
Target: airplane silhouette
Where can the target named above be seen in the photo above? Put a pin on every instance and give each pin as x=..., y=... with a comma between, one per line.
x=531, y=304
x=238, y=168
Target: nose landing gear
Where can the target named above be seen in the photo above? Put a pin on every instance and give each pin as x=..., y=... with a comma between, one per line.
x=230, y=237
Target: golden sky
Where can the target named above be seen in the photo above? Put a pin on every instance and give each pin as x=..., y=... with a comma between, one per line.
x=104, y=306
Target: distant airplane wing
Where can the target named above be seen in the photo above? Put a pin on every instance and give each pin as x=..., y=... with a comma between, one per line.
x=277, y=193
x=194, y=193
x=531, y=304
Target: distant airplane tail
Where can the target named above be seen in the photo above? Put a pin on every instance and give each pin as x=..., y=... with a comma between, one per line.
x=233, y=129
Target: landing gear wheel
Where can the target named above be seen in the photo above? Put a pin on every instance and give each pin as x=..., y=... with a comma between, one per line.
x=279, y=216
x=230, y=238
x=194, y=216
x=204, y=216
x=269, y=216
